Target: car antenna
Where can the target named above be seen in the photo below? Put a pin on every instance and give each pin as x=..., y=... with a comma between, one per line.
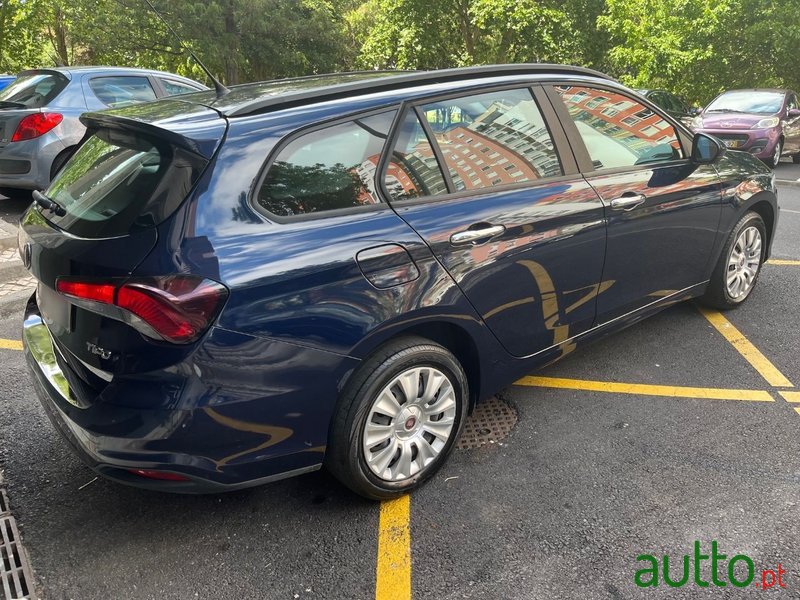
x=218, y=86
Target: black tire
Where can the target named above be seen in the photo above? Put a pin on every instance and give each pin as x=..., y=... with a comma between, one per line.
x=773, y=160
x=717, y=295
x=60, y=161
x=345, y=456
x=796, y=158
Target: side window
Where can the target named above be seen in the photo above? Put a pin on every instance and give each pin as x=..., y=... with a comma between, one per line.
x=497, y=138
x=678, y=105
x=175, y=88
x=326, y=169
x=658, y=99
x=792, y=102
x=619, y=131
x=122, y=90
x=412, y=170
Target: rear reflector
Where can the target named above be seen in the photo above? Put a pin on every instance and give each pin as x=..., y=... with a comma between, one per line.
x=36, y=125
x=175, y=308
x=162, y=475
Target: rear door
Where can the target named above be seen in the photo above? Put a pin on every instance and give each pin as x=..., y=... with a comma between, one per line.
x=508, y=216
x=116, y=91
x=662, y=210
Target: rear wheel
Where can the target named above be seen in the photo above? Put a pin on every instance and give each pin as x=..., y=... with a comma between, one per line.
x=796, y=158
x=398, y=419
x=738, y=268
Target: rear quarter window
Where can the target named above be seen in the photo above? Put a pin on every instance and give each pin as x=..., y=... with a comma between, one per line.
x=326, y=169
x=34, y=90
x=119, y=182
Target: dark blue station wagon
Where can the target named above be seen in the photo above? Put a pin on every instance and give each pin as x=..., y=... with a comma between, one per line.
x=333, y=270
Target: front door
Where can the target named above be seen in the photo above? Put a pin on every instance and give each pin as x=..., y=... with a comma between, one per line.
x=508, y=216
x=662, y=210
x=791, y=127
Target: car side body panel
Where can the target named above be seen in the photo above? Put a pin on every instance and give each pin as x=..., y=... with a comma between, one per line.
x=311, y=298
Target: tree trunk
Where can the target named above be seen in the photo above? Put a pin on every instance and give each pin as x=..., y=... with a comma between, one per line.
x=3, y=20
x=58, y=36
x=232, y=55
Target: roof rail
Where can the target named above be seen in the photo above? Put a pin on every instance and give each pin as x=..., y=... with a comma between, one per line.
x=403, y=78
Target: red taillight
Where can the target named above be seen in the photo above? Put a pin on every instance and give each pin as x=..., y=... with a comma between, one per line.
x=176, y=308
x=35, y=125
x=163, y=475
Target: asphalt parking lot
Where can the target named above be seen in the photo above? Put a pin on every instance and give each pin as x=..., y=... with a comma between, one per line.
x=680, y=429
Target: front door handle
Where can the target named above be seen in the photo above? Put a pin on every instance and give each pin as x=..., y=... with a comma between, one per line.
x=476, y=236
x=628, y=202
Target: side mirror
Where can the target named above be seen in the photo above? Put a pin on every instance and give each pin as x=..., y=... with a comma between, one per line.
x=694, y=111
x=706, y=149
x=793, y=113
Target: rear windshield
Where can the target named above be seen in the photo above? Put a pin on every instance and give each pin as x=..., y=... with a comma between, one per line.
x=33, y=90
x=120, y=182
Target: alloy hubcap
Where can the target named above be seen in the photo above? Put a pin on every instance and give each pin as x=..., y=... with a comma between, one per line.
x=777, y=158
x=409, y=423
x=743, y=263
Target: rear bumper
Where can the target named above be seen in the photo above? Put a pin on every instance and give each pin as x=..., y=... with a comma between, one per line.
x=26, y=165
x=217, y=446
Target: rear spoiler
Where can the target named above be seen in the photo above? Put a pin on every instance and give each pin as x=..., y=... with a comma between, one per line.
x=201, y=137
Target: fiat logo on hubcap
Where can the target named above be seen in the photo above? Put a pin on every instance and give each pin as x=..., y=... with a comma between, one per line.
x=410, y=422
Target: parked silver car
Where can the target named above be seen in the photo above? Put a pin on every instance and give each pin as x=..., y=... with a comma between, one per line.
x=39, y=111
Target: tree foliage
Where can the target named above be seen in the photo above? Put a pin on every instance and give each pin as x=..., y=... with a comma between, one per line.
x=693, y=47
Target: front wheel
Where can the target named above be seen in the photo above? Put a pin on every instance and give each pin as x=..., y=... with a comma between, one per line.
x=796, y=158
x=398, y=419
x=773, y=160
x=738, y=268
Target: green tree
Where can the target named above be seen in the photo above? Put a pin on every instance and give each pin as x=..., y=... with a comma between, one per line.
x=20, y=41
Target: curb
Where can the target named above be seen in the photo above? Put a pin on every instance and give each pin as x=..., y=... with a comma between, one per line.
x=14, y=303
x=788, y=182
x=8, y=242
x=11, y=270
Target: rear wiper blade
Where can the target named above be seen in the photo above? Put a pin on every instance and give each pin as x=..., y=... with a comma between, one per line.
x=9, y=104
x=48, y=203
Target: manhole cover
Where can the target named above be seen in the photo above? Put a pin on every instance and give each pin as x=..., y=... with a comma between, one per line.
x=490, y=422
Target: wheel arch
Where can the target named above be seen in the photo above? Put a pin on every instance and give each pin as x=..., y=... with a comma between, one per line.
x=763, y=207
x=61, y=159
x=456, y=338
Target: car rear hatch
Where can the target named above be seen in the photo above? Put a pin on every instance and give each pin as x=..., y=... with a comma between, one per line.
x=30, y=94
x=133, y=170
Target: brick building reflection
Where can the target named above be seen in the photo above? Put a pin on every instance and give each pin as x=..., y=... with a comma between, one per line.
x=506, y=144
x=631, y=124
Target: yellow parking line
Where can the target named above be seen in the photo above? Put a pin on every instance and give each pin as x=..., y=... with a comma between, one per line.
x=750, y=353
x=791, y=396
x=393, y=577
x=673, y=391
x=783, y=262
x=10, y=344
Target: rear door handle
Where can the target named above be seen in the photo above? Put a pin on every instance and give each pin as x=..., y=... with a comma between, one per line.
x=476, y=236
x=627, y=203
